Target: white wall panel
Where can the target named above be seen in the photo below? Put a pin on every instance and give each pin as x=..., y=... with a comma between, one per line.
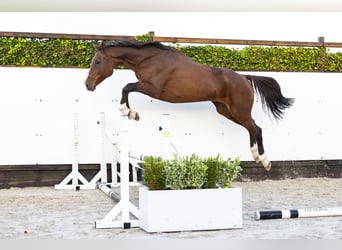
x=37, y=107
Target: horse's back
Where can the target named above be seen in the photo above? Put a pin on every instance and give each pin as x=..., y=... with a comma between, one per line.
x=231, y=77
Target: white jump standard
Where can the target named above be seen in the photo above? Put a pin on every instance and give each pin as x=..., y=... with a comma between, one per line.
x=75, y=180
x=119, y=216
x=298, y=213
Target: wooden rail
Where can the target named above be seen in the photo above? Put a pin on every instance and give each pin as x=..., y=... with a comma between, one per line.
x=64, y=36
x=321, y=41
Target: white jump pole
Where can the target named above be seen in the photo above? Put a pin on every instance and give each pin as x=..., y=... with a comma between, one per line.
x=119, y=216
x=298, y=213
x=136, y=157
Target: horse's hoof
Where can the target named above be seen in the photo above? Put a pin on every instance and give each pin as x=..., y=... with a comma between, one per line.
x=268, y=167
x=133, y=115
x=267, y=164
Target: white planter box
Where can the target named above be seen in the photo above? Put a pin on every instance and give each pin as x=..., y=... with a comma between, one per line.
x=183, y=210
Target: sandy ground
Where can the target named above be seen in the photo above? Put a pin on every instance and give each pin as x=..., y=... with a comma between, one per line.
x=46, y=213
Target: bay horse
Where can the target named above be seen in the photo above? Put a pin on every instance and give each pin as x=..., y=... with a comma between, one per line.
x=165, y=73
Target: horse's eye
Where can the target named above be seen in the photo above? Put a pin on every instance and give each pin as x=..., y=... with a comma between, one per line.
x=97, y=62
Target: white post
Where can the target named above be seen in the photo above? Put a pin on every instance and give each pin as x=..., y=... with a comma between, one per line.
x=124, y=168
x=74, y=177
x=165, y=120
x=114, y=170
x=103, y=166
x=115, y=151
x=168, y=147
x=76, y=152
x=124, y=208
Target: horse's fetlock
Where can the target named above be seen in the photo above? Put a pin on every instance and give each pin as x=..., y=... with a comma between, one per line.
x=124, y=109
x=255, y=154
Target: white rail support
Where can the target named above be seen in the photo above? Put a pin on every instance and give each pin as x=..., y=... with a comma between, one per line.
x=119, y=216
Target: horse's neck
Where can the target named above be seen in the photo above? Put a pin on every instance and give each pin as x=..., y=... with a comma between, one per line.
x=132, y=57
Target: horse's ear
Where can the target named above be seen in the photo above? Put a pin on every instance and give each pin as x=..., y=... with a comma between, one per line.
x=99, y=47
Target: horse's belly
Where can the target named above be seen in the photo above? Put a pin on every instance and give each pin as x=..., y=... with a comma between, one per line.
x=185, y=96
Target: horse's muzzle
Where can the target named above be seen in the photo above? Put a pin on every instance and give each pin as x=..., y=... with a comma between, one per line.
x=90, y=86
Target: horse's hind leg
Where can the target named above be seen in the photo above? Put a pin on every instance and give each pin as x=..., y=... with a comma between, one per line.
x=255, y=134
x=222, y=109
x=257, y=147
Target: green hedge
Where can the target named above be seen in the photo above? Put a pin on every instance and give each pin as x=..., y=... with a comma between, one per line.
x=46, y=52
x=254, y=58
x=78, y=53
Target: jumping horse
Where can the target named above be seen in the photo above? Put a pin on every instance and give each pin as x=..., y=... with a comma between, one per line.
x=166, y=74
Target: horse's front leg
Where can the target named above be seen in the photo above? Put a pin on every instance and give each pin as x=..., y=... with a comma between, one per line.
x=124, y=104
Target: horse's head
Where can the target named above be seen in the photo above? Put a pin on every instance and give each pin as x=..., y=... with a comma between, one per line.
x=101, y=67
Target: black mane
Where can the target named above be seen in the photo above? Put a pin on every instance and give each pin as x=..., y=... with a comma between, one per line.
x=136, y=45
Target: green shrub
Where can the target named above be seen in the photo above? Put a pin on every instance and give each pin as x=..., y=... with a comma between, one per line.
x=213, y=171
x=153, y=173
x=185, y=172
x=228, y=171
x=189, y=172
x=221, y=173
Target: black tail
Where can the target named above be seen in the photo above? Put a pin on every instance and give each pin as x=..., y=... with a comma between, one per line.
x=270, y=94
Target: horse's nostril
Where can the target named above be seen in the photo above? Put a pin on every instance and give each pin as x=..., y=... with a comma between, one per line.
x=87, y=85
